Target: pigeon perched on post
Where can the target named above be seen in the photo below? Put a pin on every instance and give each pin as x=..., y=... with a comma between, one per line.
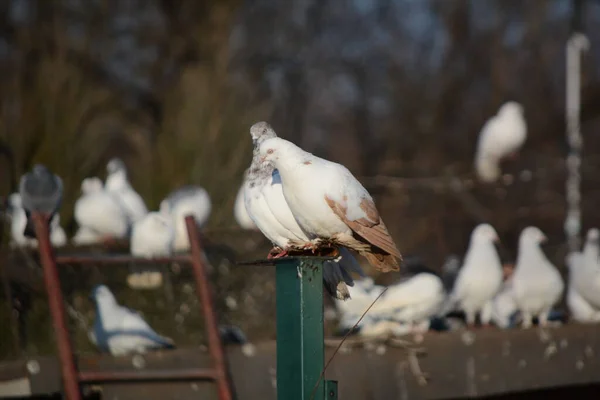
x=480, y=277
x=118, y=184
x=537, y=284
x=41, y=191
x=501, y=136
x=330, y=204
x=267, y=207
x=121, y=331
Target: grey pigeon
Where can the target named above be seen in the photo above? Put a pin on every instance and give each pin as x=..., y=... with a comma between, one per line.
x=41, y=191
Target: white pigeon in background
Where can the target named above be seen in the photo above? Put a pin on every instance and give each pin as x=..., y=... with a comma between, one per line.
x=412, y=302
x=58, y=237
x=537, y=284
x=504, y=307
x=330, y=204
x=187, y=200
x=239, y=209
x=362, y=294
x=480, y=277
x=267, y=207
x=584, y=272
x=151, y=237
x=580, y=309
x=501, y=136
x=122, y=331
x=18, y=218
x=99, y=214
x=118, y=184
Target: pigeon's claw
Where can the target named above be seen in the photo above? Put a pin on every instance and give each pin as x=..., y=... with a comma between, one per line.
x=277, y=252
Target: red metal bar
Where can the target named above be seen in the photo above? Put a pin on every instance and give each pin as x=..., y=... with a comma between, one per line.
x=120, y=259
x=151, y=375
x=55, y=301
x=215, y=347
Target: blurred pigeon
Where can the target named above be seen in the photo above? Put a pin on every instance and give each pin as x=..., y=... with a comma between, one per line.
x=187, y=200
x=120, y=330
x=268, y=208
x=99, y=214
x=413, y=302
x=583, y=296
x=329, y=203
x=41, y=191
x=501, y=136
x=151, y=237
x=362, y=294
x=537, y=284
x=118, y=184
x=18, y=221
x=504, y=306
x=239, y=209
x=450, y=271
x=480, y=277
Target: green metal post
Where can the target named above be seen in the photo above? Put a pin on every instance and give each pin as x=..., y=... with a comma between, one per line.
x=300, y=348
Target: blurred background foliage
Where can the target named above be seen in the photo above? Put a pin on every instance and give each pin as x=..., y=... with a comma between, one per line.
x=397, y=90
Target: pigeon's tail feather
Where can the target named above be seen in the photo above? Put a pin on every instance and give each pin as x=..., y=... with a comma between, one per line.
x=382, y=262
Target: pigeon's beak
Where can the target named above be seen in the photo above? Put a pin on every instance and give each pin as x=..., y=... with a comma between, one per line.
x=544, y=238
x=263, y=159
x=497, y=240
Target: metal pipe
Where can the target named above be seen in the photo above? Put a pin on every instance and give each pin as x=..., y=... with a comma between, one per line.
x=215, y=346
x=56, y=304
x=120, y=259
x=164, y=375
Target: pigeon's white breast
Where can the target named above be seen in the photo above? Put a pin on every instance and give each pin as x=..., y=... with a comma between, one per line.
x=101, y=213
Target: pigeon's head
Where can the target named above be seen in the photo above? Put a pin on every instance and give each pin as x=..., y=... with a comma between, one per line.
x=165, y=207
x=275, y=149
x=593, y=235
x=14, y=201
x=102, y=294
x=157, y=221
x=511, y=108
x=115, y=165
x=91, y=185
x=485, y=232
x=532, y=234
x=573, y=259
x=261, y=131
x=40, y=170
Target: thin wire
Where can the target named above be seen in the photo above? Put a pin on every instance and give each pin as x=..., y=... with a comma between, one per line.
x=313, y=393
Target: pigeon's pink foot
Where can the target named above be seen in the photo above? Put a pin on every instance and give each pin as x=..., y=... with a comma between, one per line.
x=277, y=252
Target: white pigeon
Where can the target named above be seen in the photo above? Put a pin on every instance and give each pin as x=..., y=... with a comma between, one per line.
x=99, y=212
x=501, y=136
x=267, y=207
x=413, y=301
x=120, y=330
x=239, y=209
x=58, y=237
x=480, y=277
x=18, y=220
x=188, y=200
x=18, y=217
x=584, y=279
x=580, y=309
x=330, y=204
x=504, y=306
x=151, y=237
x=537, y=284
x=362, y=294
x=118, y=184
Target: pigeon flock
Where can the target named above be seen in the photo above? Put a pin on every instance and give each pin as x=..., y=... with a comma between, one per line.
x=305, y=204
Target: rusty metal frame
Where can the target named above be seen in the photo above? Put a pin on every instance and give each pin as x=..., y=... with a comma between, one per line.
x=71, y=378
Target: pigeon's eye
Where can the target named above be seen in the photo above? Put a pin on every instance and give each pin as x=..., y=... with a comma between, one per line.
x=270, y=151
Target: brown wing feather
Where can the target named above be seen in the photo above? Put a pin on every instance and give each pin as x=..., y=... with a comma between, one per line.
x=372, y=228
